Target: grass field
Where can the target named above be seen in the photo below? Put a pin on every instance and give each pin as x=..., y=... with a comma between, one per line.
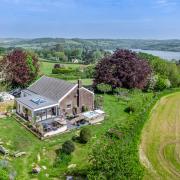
x=160, y=146
x=46, y=67
x=16, y=138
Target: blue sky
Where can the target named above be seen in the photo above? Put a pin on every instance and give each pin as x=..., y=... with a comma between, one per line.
x=145, y=19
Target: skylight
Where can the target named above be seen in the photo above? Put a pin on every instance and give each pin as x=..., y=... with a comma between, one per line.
x=38, y=100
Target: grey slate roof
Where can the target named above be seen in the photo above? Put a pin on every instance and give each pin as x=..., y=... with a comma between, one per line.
x=51, y=88
x=28, y=101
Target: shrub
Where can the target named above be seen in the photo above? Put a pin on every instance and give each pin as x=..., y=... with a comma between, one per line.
x=84, y=108
x=162, y=84
x=3, y=175
x=121, y=91
x=57, y=66
x=85, y=135
x=89, y=71
x=104, y=88
x=68, y=147
x=62, y=159
x=63, y=70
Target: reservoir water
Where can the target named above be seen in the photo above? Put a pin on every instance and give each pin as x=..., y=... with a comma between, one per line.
x=163, y=54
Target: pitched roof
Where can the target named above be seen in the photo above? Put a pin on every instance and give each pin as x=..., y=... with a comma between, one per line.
x=51, y=88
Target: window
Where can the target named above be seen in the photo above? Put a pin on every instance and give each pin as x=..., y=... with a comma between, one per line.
x=68, y=106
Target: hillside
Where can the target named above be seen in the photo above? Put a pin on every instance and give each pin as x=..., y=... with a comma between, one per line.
x=106, y=44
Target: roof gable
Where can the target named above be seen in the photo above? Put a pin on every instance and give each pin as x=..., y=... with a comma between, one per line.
x=51, y=88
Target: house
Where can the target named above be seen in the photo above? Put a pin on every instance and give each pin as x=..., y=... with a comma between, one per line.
x=49, y=98
x=75, y=61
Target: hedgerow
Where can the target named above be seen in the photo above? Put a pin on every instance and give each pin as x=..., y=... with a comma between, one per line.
x=114, y=158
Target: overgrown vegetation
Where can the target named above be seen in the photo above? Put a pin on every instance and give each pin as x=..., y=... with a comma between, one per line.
x=118, y=158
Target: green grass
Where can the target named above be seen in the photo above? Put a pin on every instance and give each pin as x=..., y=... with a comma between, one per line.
x=85, y=82
x=160, y=140
x=17, y=138
x=46, y=67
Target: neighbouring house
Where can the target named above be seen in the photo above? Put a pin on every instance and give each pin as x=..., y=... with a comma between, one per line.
x=75, y=61
x=49, y=98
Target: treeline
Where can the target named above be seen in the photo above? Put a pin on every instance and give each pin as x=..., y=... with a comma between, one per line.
x=105, y=44
x=75, y=55
x=165, y=73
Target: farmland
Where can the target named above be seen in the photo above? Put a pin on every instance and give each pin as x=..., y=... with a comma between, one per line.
x=160, y=146
x=46, y=69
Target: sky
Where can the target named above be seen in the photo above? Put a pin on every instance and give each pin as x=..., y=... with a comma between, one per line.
x=122, y=19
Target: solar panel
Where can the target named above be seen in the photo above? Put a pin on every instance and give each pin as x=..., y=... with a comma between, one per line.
x=38, y=100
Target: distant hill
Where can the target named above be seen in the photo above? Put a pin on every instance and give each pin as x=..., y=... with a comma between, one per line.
x=105, y=44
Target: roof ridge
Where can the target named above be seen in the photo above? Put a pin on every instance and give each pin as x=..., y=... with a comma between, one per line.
x=58, y=79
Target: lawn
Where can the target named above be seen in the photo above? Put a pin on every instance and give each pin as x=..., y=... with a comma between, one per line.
x=16, y=138
x=160, y=146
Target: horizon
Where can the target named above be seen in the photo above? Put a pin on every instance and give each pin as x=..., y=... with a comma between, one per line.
x=44, y=37
x=90, y=19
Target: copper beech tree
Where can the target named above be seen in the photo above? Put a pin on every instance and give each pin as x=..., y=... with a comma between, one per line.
x=123, y=69
x=19, y=68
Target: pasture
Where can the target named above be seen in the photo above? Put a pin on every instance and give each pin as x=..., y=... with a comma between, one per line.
x=160, y=145
x=46, y=69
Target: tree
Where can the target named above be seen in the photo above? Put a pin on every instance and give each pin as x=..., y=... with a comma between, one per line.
x=123, y=69
x=85, y=135
x=105, y=88
x=162, y=83
x=163, y=68
x=61, y=56
x=20, y=68
x=68, y=147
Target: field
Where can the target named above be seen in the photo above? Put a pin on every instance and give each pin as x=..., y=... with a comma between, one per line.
x=16, y=138
x=46, y=69
x=160, y=146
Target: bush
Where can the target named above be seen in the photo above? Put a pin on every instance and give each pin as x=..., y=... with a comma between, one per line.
x=84, y=108
x=162, y=84
x=85, y=135
x=62, y=160
x=104, y=88
x=56, y=66
x=3, y=175
x=68, y=147
x=64, y=70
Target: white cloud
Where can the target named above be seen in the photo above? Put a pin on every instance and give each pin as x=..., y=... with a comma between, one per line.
x=166, y=3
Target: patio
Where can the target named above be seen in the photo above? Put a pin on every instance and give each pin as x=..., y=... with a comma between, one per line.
x=53, y=126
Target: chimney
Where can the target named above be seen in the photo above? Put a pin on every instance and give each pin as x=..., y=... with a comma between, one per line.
x=79, y=83
x=78, y=93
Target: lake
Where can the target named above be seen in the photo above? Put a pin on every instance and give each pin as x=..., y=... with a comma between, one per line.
x=169, y=55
